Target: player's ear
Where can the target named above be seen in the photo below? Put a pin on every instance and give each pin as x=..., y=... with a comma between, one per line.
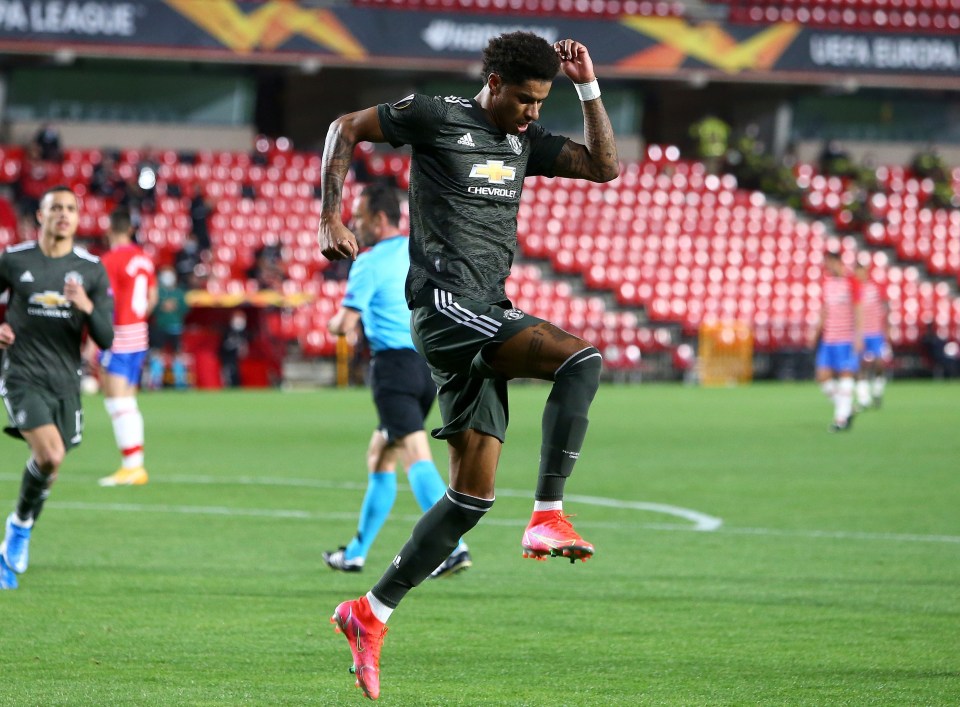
x=494, y=82
x=384, y=223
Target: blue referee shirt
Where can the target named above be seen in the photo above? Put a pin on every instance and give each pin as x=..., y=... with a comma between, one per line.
x=375, y=288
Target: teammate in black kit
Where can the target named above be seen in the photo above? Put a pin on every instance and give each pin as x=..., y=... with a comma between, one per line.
x=470, y=157
x=57, y=291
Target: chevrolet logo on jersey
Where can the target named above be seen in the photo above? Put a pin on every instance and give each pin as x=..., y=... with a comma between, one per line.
x=494, y=171
x=49, y=304
x=49, y=299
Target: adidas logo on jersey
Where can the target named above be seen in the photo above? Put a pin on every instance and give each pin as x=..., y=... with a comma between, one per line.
x=466, y=140
x=27, y=276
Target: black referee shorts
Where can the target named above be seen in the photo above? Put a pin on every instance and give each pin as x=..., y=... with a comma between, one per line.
x=403, y=391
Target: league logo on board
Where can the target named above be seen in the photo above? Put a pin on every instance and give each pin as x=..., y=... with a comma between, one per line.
x=515, y=144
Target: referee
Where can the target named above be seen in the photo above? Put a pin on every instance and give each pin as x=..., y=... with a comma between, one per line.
x=403, y=389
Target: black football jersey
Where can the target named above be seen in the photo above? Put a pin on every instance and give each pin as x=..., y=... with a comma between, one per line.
x=48, y=329
x=466, y=177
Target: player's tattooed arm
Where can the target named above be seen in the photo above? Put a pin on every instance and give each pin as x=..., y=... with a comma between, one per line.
x=599, y=164
x=597, y=159
x=335, y=240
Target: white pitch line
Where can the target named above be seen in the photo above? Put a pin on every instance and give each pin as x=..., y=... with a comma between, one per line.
x=701, y=521
x=510, y=522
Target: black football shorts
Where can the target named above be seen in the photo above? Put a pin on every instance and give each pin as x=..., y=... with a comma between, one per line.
x=452, y=333
x=30, y=406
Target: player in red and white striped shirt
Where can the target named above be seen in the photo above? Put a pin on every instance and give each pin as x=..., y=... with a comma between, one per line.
x=839, y=332
x=871, y=381
x=134, y=283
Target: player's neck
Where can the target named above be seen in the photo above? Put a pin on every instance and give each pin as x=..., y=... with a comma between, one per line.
x=484, y=99
x=53, y=247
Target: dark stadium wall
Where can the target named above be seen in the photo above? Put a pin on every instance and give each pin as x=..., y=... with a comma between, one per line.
x=309, y=102
x=172, y=136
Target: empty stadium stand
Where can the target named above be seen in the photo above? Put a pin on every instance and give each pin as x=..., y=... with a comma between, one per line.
x=636, y=265
x=931, y=16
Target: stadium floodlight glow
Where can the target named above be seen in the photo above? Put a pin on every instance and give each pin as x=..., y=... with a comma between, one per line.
x=147, y=179
x=64, y=56
x=310, y=65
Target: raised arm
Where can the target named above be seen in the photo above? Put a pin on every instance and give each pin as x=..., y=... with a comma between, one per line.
x=336, y=241
x=597, y=160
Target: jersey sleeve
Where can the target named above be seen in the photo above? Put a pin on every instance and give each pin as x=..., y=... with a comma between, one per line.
x=361, y=285
x=101, y=319
x=411, y=120
x=544, y=148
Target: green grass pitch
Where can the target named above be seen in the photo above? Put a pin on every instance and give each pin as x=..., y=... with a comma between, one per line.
x=833, y=577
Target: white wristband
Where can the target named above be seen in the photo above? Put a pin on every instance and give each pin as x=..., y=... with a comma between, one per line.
x=588, y=91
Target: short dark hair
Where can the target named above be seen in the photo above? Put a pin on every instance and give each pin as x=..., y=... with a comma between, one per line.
x=59, y=188
x=120, y=220
x=382, y=196
x=520, y=56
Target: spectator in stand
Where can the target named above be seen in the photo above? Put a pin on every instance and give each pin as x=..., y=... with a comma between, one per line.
x=37, y=175
x=187, y=262
x=871, y=380
x=143, y=188
x=200, y=209
x=928, y=164
x=855, y=214
x=840, y=340
x=166, y=332
x=233, y=348
x=107, y=182
x=712, y=136
x=134, y=284
x=267, y=269
x=47, y=140
x=747, y=159
x=944, y=196
x=935, y=348
x=835, y=160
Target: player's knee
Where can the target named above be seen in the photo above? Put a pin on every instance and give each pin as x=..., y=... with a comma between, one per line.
x=583, y=370
x=49, y=459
